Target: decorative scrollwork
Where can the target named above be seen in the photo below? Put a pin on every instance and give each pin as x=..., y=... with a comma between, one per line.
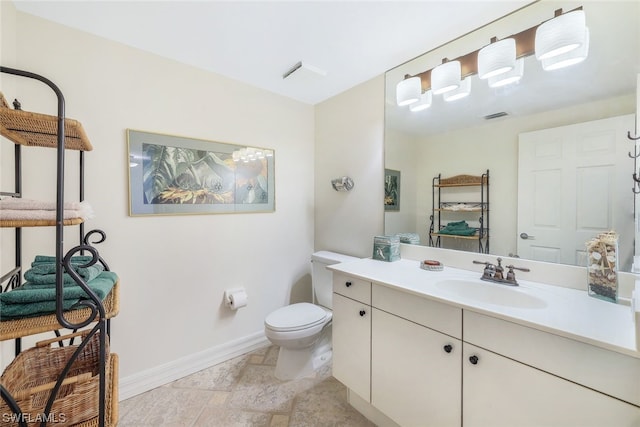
x=12, y=278
x=93, y=302
x=102, y=237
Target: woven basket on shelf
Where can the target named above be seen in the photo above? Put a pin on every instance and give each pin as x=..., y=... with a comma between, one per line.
x=30, y=377
x=461, y=180
x=35, y=129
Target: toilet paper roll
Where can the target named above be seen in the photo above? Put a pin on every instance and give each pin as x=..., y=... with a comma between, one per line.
x=237, y=299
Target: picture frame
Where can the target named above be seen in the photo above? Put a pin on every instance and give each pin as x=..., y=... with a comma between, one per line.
x=391, y=190
x=176, y=175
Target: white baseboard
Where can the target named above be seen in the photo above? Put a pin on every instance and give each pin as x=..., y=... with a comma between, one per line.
x=168, y=372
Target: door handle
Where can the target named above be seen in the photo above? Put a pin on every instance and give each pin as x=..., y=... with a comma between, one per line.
x=525, y=236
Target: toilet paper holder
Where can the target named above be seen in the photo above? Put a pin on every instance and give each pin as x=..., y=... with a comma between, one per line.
x=231, y=294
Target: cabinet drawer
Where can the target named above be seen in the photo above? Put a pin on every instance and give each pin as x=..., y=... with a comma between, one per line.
x=441, y=317
x=353, y=288
x=607, y=371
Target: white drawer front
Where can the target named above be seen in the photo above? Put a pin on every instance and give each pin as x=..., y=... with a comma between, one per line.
x=441, y=317
x=606, y=371
x=353, y=288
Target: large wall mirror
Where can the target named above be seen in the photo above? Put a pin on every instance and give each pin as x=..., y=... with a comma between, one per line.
x=577, y=116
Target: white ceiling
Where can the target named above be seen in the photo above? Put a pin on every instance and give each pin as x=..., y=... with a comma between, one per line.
x=256, y=42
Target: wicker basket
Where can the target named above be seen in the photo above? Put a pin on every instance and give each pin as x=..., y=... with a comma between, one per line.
x=31, y=376
x=35, y=129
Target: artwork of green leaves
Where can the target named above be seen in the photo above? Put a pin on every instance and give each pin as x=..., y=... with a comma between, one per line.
x=176, y=175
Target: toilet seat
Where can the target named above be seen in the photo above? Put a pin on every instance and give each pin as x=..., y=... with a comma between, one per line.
x=296, y=317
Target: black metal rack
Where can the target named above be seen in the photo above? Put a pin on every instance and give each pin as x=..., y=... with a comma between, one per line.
x=93, y=304
x=441, y=208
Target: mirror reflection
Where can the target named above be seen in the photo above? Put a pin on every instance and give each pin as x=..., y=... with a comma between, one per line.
x=555, y=143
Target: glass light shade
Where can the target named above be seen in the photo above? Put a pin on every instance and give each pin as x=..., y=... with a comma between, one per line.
x=408, y=91
x=445, y=77
x=423, y=103
x=560, y=34
x=510, y=77
x=497, y=58
x=569, y=58
x=463, y=91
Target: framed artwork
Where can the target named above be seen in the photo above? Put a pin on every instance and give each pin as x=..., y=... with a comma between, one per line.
x=174, y=175
x=391, y=190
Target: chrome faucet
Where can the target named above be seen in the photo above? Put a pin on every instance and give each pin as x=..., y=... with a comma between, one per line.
x=495, y=273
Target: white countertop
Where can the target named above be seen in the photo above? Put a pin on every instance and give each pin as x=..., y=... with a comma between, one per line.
x=562, y=311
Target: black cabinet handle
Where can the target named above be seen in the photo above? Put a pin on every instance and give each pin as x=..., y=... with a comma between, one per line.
x=347, y=284
x=474, y=360
x=448, y=348
x=362, y=312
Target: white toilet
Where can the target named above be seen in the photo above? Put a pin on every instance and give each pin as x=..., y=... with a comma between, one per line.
x=303, y=330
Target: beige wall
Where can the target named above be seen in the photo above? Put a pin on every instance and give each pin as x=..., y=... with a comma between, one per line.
x=349, y=141
x=173, y=269
x=400, y=155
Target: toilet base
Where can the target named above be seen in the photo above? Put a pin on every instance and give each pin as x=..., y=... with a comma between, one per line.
x=298, y=363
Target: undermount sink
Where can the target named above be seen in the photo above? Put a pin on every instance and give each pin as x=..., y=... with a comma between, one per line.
x=490, y=293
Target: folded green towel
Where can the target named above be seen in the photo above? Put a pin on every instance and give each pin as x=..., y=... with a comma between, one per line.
x=44, y=274
x=458, y=231
x=46, y=259
x=31, y=300
x=458, y=224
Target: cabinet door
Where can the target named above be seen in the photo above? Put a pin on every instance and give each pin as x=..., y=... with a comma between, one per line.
x=352, y=344
x=415, y=372
x=502, y=392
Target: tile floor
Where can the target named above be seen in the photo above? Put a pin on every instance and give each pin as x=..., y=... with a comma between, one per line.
x=244, y=392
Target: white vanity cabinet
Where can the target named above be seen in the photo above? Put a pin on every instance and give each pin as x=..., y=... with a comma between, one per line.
x=421, y=361
x=352, y=334
x=415, y=372
x=501, y=392
x=518, y=375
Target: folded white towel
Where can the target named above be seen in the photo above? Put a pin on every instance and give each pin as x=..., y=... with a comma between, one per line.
x=27, y=209
x=40, y=215
x=37, y=205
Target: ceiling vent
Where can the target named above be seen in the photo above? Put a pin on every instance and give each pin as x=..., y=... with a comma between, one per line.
x=495, y=115
x=304, y=71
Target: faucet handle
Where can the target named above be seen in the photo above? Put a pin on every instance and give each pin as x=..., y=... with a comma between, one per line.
x=511, y=267
x=511, y=275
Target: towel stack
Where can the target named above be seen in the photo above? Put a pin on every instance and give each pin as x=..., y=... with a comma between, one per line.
x=458, y=228
x=411, y=238
x=37, y=296
x=43, y=270
x=19, y=209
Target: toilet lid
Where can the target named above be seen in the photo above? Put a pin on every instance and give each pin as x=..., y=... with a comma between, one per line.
x=296, y=316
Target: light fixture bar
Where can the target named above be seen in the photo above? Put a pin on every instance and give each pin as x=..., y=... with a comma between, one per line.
x=525, y=46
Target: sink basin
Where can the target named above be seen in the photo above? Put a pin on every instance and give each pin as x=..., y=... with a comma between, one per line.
x=490, y=293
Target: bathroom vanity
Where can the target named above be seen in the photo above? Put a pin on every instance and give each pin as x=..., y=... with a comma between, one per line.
x=443, y=348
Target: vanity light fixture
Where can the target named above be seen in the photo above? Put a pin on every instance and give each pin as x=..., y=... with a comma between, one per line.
x=496, y=58
x=511, y=77
x=567, y=59
x=559, y=42
x=463, y=91
x=564, y=33
x=423, y=103
x=445, y=77
x=408, y=90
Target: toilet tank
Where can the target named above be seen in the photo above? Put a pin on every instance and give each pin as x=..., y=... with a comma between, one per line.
x=321, y=278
